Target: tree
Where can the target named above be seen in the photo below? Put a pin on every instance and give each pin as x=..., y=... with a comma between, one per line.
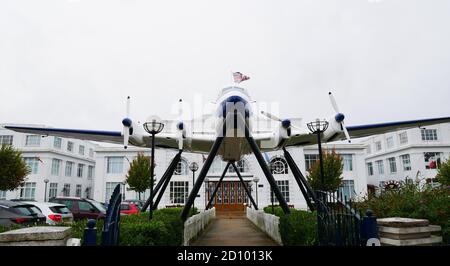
x=443, y=173
x=13, y=169
x=138, y=177
x=332, y=172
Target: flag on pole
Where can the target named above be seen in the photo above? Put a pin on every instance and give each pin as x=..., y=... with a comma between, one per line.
x=239, y=77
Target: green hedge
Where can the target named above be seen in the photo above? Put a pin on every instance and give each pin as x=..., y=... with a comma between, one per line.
x=165, y=229
x=299, y=228
x=414, y=201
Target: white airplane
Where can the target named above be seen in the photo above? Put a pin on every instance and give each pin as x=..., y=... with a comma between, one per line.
x=179, y=134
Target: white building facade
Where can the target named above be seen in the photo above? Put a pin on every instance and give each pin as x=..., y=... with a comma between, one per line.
x=412, y=154
x=67, y=165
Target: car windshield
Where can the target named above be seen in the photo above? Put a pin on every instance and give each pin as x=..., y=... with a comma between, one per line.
x=26, y=210
x=60, y=209
x=98, y=205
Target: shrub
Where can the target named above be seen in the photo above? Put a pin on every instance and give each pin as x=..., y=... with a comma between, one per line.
x=332, y=172
x=413, y=201
x=165, y=229
x=299, y=228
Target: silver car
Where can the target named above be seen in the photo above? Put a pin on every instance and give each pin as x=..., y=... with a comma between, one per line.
x=54, y=212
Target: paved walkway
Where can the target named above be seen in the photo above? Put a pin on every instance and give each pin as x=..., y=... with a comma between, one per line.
x=233, y=230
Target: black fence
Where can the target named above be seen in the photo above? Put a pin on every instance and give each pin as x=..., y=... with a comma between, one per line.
x=341, y=224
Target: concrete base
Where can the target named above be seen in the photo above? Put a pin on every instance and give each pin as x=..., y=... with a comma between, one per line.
x=36, y=236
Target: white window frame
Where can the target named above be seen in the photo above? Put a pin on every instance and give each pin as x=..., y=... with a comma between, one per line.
x=406, y=162
x=378, y=146
x=283, y=185
x=347, y=162
x=68, y=170
x=33, y=140
x=6, y=139
x=369, y=168
x=90, y=173
x=81, y=150
x=53, y=190
x=78, y=190
x=32, y=163
x=114, y=165
x=178, y=192
x=403, y=137
x=66, y=190
x=70, y=145
x=310, y=159
x=429, y=134
x=57, y=143
x=2, y=194
x=390, y=142
x=27, y=191
x=80, y=170
x=392, y=162
x=56, y=167
x=380, y=167
x=109, y=189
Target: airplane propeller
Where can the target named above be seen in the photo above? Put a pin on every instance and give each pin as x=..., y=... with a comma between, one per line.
x=127, y=125
x=180, y=125
x=339, y=116
x=285, y=123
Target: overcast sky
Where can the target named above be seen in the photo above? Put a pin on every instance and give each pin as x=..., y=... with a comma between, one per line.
x=72, y=63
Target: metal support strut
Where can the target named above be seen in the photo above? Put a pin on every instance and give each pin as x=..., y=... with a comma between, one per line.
x=201, y=177
x=266, y=171
x=217, y=186
x=243, y=184
x=167, y=175
x=307, y=191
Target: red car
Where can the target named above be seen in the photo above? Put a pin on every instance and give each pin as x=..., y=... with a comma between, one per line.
x=128, y=208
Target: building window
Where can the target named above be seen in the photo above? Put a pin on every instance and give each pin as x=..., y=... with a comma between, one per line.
x=403, y=138
x=390, y=142
x=69, y=167
x=90, y=172
x=66, y=190
x=182, y=167
x=347, y=161
x=53, y=190
x=80, y=170
x=57, y=142
x=56, y=165
x=429, y=134
x=310, y=159
x=110, y=186
x=114, y=165
x=432, y=160
x=380, y=167
x=278, y=166
x=179, y=192
x=78, y=191
x=81, y=150
x=392, y=165
x=283, y=185
x=28, y=191
x=91, y=153
x=33, y=140
x=347, y=190
x=32, y=163
x=378, y=145
x=241, y=165
x=70, y=146
x=87, y=191
x=2, y=194
x=406, y=162
x=369, y=168
x=6, y=140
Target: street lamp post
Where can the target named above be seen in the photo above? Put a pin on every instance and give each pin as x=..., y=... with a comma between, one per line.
x=45, y=191
x=193, y=167
x=318, y=127
x=256, y=180
x=153, y=126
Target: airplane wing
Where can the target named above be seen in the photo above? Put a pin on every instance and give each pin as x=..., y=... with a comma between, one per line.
x=366, y=130
x=161, y=140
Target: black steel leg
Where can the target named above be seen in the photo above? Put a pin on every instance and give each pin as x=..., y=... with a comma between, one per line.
x=266, y=171
x=217, y=186
x=243, y=184
x=201, y=177
x=307, y=191
x=161, y=193
x=167, y=174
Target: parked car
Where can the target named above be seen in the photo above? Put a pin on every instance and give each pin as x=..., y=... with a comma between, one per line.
x=138, y=203
x=54, y=212
x=21, y=213
x=128, y=208
x=82, y=208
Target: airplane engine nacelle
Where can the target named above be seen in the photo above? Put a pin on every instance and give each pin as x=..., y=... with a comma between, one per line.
x=334, y=127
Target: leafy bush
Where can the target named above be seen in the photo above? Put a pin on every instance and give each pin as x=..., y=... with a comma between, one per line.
x=413, y=201
x=165, y=229
x=299, y=228
x=8, y=228
x=332, y=172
